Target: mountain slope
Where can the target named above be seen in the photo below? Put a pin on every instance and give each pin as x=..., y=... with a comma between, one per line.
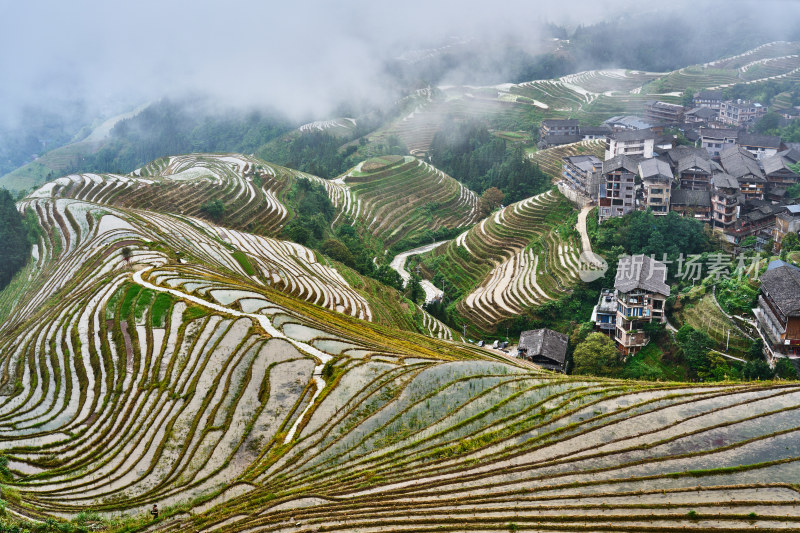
x=142, y=362
x=515, y=258
x=399, y=198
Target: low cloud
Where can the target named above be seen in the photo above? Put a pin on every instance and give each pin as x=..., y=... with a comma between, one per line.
x=301, y=58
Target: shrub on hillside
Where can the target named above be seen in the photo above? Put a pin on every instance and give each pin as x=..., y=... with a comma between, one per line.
x=596, y=356
x=14, y=239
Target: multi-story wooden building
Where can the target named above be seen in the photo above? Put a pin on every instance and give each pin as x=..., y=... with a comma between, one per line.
x=741, y=112
x=777, y=173
x=583, y=173
x=715, y=140
x=663, y=112
x=778, y=311
x=724, y=200
x=694, y=173
x=741, y=164
x=617, y=189
x=786, y=223
x=691, y=204
x=761, y=146
x=559, y=127
x=657, y=184
x=641, y=291
x=710, y=99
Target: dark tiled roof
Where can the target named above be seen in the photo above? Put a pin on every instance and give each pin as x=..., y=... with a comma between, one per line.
x=562, y=139
x=641, y=272
x=703, y=113
x=740, y=164
x=792, y=155
x=555, y=122
x=709, y=95
x=775, y=163
x=680, y=152
x=724, y=181
x=766, y=141
x=655, y=169
x=692, y=161
x=719, y=133
x=620, y=161
x=690, y=198
x=783, y=286
x=595, y=130
x=765, y=211
x=633, y=135
x=544, y=342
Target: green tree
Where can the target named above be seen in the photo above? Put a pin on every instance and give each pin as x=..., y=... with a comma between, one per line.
x=687, y=98
x=768, y=123
x=790, y=243
x=490, y=200
x=215, y=209
x=414, y=289
x=695, y=345
x=758, y=369
x=784, y=369
x=597, y=356
x=335, y=249
x=14, y=238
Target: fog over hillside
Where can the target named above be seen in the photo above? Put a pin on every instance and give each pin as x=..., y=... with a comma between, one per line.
x=301, y=57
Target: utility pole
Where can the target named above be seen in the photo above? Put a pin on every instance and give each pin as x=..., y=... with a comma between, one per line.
x=728, y=341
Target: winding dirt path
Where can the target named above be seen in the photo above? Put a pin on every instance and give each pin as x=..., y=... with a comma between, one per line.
x=399, y=265
x=586, y=244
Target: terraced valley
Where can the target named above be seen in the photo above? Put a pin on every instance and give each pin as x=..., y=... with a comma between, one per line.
x=166, y=345
x=514, y=259
x=399, y=197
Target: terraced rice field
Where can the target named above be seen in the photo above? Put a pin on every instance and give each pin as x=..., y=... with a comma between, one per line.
x=251, y=190
x=476, y=447
x=171, y=374
x=704, y=315
x=776, y=60
x=551, y=160
x=556, y=95
x=511, y=260
x=610, y=80
x=399, y=197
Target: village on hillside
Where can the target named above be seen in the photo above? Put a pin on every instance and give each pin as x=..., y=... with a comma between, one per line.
x=720, y=173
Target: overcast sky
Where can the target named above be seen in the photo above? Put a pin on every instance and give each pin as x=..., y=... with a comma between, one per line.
x=299, y=56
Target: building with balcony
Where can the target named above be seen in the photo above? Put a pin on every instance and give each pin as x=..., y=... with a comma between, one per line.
x=740, y=112
x=657, y=184
x=761, y=146
x=777, y=173
x=778, y=311
x=715, y=140
x=616, y=194
x=663, y=113
x=692, y=204
x=709, y=99
x=641, y=291
x=786, y=223
x=724, y=200
x=630, y=143
x=694, y=173
x=604, y=314
x=583, y=172
x=700, y=116
x=743, y=166
x=559, y=127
